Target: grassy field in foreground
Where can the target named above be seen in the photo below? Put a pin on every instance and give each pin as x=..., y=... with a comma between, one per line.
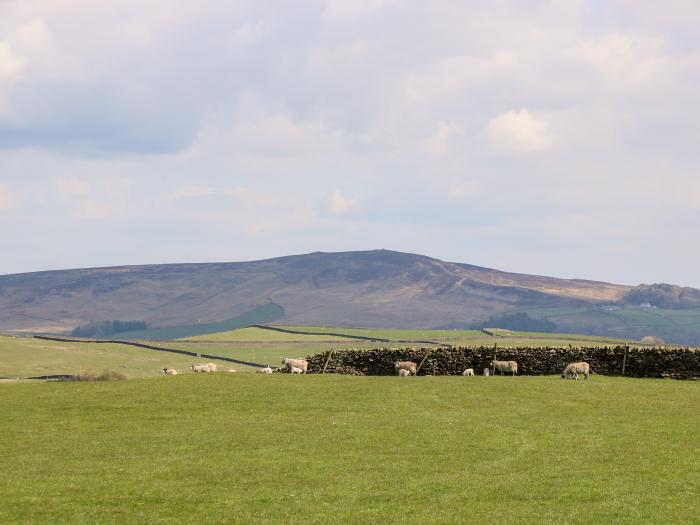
x=284, y=449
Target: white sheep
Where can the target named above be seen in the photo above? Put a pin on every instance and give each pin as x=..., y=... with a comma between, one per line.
x=410, y=366
x=266, y=370
x=212, y=367
x=572, y=370
x=296, y=370
x=504, y=366
x=203, y=369
x=468, y=372
x=298, y=363
x=404, y=373
x=169, y=371
x=487, y=372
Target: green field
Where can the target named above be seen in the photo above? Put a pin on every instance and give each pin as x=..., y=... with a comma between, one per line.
x=453, y=337
x=672, y=325
x=247, y=448
x=259, y=315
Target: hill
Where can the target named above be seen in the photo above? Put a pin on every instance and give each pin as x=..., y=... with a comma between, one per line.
x=377, y=288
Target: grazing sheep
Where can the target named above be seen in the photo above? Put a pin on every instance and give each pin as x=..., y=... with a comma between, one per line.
x=487, y=372
x=266, y=370
x=504, y=366
x=298, y=363
x=203, y=369
x=404, y=373
x=296, y=370
x=170, y=371
x=574, y=369
x=212, y=367
x=406, y=365
x=468, y=372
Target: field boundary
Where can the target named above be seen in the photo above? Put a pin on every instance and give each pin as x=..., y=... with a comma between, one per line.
x=151, y=347
x=347, y=336
x=622, y=360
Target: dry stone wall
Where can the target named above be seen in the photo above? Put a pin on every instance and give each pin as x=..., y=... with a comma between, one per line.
x=679, y=363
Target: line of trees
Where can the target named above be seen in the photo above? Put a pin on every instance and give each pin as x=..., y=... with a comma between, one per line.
x=105, y=328
x=520, y=322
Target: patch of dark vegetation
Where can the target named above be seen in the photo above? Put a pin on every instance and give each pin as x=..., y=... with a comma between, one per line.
x=105, y=328
x=107, y=375
x=520, y=322
x=663, y=295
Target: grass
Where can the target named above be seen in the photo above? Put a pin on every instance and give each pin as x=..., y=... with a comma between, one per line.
x=327, y=449
x=261, y=335
x=26, y=357
x=455, y=337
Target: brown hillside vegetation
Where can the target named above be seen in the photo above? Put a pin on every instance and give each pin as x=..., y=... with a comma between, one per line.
x=374, y=288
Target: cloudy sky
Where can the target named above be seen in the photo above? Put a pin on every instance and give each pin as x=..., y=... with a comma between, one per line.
x=550, y=137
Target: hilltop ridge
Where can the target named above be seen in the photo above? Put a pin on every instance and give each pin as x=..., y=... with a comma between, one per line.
x=376, y=288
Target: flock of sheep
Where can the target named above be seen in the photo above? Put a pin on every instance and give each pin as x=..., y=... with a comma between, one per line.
x=572, y=371
x=403, y=368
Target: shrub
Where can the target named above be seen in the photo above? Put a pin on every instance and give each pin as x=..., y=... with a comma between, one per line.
x=106, y=375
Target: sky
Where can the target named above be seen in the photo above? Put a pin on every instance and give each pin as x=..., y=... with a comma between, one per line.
x=557, y=138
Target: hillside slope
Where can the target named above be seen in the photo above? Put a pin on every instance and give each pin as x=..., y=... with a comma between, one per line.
x=377, y=288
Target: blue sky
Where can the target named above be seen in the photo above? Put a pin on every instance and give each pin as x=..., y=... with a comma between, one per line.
x=549, y=137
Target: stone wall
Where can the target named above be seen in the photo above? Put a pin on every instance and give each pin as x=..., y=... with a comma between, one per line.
x=679, y=363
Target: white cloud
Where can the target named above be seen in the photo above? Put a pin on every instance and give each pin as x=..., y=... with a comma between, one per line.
x=517, y=132
x=463, y=189
x=189, y=191
x=253, y=197
x=352, y=9
x=92, y=209
x=71, y=187
x=11, y=65
x=438, y=144
x=339, y=204
x=6, y=200
x=249, y=33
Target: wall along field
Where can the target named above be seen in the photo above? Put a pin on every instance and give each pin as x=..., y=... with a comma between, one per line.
x=251, y=448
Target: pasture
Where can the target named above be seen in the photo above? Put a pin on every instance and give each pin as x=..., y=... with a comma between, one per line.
x=27, y=357
x=247, y=448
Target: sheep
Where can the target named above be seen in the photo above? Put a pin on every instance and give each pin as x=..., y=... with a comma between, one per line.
x=410, y=366
x=266, y=370
x=169, y=371
x=203, y=369
x=487, y=372
x=298, y=363
x=296, y=370
x=212, y=367
x=504, y=366
x=404, y=373
x=231, y=369
x=572, y=370
x=468, y=372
